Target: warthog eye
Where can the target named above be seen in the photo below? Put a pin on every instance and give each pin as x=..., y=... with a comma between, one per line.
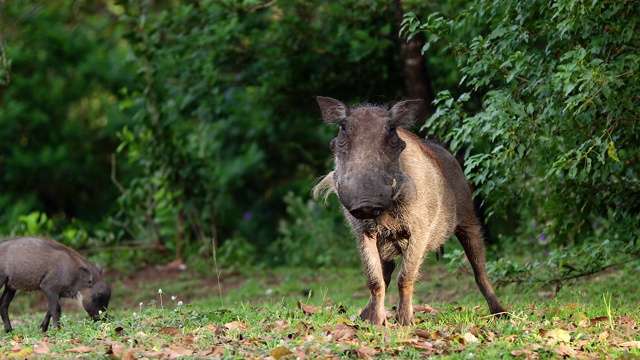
x=393, y=137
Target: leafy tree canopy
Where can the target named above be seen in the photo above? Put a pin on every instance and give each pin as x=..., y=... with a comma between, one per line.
x=555, y=143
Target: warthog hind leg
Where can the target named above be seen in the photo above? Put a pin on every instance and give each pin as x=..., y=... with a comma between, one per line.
x=471, y=239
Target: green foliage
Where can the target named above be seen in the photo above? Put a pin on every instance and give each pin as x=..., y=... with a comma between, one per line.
x=557, y=136
x=314, y=235
x=226, y=124
x=59, y=114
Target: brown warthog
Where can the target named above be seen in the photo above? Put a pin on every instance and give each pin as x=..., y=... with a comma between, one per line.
x=30, y=264
x=402, y=197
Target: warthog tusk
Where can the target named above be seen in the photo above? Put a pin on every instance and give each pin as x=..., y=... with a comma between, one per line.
x=337, y=186
x=394, y=185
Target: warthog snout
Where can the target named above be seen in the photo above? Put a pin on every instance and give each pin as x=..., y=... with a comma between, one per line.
x=366, y=199
x=366, y=212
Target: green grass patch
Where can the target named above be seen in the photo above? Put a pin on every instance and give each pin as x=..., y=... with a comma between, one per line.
x=304, y=313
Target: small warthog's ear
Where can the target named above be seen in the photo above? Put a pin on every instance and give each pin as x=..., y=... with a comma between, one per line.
x=333, y=111
x=99, y=268
x=86, y=274
x=404, y=113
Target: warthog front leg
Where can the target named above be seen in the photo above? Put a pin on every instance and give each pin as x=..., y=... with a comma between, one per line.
x=411, y=261
x=374, y=310
x=53, y=303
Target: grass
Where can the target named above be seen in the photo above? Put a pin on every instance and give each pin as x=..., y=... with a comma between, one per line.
x=305, y=313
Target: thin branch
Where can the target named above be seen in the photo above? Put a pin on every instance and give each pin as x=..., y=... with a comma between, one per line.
x=126, y=227
x=263, y=6
x=114, y=180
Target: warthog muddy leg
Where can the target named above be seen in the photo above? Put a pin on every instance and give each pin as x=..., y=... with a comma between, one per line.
x=5, y=300
x=411, y=261
x=471, y=239
x=374, y=310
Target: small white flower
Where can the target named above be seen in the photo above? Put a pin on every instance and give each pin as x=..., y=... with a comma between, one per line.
x=180, y=303
x=99, y=312
x=173, y=298
x=134, y=314
x=159, y=291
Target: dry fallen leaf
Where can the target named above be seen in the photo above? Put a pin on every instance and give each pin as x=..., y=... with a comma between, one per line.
x=116, y=350
x=171, y=331
x=23, y=353
x=308, y=309
x=603, y=336
x=132, y=354
x=218, y=350
x=470, y=338
x=366, y=353
x=189, y=339
x=423, y=334
x=279, y=352
x=41, y=347
x=630, y=344
x=181, y=351
x=422, y=345
x=564, y=350
x=236, y=325
x=598, y=319
x=426, y=308
x=583, y=321
x=82, y=349
x=559, y=335
x=341, y=334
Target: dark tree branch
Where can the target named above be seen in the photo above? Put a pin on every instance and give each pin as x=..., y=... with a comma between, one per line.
x=3, y=55
x=416, y=75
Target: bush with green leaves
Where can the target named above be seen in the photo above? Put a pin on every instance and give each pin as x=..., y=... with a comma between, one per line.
x=226, y=123
x=554, y=144
x=314, y=235
x=59, y=113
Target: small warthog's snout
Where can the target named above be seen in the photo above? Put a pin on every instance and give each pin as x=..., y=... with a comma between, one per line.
x=366, y=212
x=100, y=317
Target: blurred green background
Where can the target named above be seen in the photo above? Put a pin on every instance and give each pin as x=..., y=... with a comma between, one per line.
x=140, y=132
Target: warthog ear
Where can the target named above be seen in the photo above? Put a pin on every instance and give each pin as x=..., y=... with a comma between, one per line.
x=86, y=274
x=99, y=268
x=333, y=111
x=404, y=113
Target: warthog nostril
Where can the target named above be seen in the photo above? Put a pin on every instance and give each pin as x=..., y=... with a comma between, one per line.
x=366, y=212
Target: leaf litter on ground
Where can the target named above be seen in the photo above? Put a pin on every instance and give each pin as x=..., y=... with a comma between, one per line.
x=305, y=329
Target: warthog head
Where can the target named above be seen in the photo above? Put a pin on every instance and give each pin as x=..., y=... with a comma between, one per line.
x=368, y=175
x=94, y=293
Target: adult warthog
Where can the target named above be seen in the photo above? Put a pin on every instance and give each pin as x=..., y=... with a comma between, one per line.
x=402, y=196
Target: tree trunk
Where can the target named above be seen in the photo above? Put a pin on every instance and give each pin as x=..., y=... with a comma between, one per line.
x=416, y=75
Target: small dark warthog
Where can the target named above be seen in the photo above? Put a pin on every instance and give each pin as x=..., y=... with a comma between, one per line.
x=402, y=197
x=30, y=264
